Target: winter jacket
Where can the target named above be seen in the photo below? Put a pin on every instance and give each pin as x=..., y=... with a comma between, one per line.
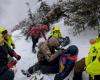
x=67, y=62
x=56, y=34
x=93, y=60
x=2, y=29
x=38, y=31
x=45, y=52
x=9, y=39
x=4, y=51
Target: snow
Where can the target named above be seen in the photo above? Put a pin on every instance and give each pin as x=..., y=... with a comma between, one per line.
x=23, y=48
x=14, y=11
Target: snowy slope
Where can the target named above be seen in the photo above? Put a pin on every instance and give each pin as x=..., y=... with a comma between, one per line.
x=23, y=48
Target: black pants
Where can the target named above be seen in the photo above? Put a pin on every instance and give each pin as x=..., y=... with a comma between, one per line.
x=46, y=67
x=8, y=75
x=35, y=41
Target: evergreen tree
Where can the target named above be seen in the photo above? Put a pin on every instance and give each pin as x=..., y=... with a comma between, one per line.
x=82, y=14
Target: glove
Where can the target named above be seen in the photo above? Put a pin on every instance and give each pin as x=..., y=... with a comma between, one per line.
x=10, y=65
x=18, y=57
x=58, y=77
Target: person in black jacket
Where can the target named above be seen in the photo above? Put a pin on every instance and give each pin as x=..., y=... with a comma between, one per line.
x=6, y=73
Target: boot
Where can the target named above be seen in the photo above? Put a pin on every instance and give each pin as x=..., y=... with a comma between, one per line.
x=26, y=73
x=34, y=51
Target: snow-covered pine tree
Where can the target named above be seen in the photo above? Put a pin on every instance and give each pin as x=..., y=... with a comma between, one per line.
x=82, y=14
x=42, y=12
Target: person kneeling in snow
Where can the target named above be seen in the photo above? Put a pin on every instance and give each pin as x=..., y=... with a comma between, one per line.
x=6, y=73
x=67, y=62
x=91, y=63
x=48, y=58
x=56, y=32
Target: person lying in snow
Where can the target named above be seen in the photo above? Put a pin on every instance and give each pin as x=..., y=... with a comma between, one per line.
x=6, y=72
x=36, y=32
x=48, y=58
x=67, y=62
x=91, y=63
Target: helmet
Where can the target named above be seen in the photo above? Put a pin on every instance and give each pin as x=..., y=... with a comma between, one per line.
x=73, y=50
x=92, y=41
x=56, y=28
x=3, y=30
x=1, y=38
x=53, y=42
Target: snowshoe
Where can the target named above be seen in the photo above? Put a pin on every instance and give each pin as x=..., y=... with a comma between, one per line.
x=26, y=73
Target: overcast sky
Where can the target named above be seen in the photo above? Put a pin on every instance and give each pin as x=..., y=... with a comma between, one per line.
x=12, y=12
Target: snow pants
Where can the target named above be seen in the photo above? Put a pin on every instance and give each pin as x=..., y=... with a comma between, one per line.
x=8, y=75
x=46, y=67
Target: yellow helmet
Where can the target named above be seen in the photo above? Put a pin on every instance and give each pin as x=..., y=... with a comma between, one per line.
x=1, y=38
x=3, y=30
x=56, y=28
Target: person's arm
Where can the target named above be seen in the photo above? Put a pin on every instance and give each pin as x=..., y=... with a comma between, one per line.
x=43, y=34
x=12, y=53
x=49, y=56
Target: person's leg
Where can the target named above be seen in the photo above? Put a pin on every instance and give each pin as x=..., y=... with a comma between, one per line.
x=35, y=41
x=34, y=68
x=50, y=67
x=31, y=70
x=9, y=75
x=78, y=69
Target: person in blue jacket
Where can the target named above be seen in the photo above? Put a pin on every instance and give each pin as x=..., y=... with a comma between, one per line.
x=67, y=62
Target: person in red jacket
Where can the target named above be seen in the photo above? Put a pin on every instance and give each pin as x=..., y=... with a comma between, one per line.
x=36, y=33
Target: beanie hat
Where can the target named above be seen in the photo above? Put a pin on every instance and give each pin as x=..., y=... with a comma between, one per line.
x=73, y=50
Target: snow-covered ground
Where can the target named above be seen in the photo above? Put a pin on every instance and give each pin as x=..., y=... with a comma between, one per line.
x=23, y=48
x=17, y=11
